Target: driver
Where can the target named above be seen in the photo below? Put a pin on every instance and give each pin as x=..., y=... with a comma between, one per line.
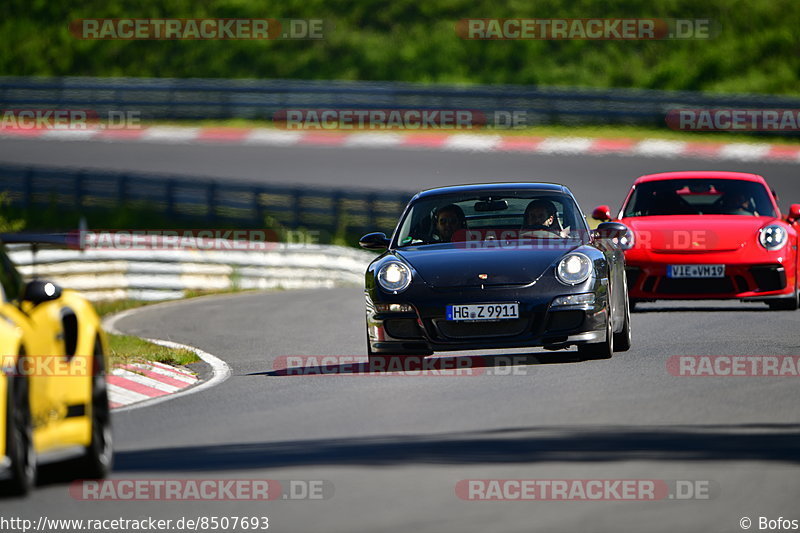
x=541, y=215
x=447, y=220
x=736, y=202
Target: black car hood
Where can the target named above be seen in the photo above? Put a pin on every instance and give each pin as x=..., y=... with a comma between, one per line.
x=450, y=265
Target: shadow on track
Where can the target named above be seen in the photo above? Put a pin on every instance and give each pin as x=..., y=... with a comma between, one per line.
x=319, y=365
x=762, y=442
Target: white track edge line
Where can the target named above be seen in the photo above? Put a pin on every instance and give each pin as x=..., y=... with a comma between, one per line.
x=220, y=371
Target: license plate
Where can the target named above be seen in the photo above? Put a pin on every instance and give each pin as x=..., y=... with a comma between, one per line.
x=696, y=271
x=475, y=312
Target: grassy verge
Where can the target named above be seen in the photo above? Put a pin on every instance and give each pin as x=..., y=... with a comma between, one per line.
x=126, y=349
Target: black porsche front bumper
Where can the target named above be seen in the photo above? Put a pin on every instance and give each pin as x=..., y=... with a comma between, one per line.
x=540, y=324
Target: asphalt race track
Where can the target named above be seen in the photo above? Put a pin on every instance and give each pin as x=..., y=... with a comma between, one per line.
x=391, y=448
x=595, y=179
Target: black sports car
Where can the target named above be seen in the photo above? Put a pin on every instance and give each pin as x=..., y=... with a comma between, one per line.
x=497, y=266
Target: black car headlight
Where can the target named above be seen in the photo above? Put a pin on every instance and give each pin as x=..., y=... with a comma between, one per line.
x=394, y=276
x=772, y=237
x=574, y=268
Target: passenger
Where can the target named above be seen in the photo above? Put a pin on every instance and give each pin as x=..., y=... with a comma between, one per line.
x=541, y=215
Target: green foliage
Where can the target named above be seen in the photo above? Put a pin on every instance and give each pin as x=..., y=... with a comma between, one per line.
x=755, y=51
x=8, y=225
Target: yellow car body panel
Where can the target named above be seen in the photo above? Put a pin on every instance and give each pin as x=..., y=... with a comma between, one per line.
x=10, y=340
x=60, y=384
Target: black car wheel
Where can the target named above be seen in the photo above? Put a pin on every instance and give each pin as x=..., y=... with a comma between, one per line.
x=19, y=440
x=600, y=350
x=622, y=340
x=99, y=455
x=784, y=304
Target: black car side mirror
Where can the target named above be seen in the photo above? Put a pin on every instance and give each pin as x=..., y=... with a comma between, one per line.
x=38, y=291
x=611, y=230
x=374, y=241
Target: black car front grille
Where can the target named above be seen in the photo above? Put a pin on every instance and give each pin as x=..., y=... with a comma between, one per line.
x=769, y=277
x=469, y=330
x=695, y=286
x=402, y=328
x=632, y=273
x=741, y=284
x=564, y=320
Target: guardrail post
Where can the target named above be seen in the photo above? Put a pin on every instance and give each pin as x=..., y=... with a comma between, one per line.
x=371, y=199
x=339, y=214
x=171, y=199
x=296, y=200
x=211, y=201
x=27, y=188
x=122, y=189
x=78, y=188
x=258, y=209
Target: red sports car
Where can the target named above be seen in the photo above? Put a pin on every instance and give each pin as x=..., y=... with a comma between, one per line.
x=708, y=235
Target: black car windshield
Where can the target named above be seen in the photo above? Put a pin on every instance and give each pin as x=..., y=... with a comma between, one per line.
x=502, y=215
x=699, y=197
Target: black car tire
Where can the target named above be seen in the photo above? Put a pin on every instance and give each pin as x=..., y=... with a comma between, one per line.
x=99, y=455
x=622, y=340
x=600, y=350
x=19, y=440
x=789, y=303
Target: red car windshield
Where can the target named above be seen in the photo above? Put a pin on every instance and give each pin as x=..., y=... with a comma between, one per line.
x=699, y=197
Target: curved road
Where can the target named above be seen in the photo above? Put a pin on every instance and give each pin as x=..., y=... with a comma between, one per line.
x=391, y=448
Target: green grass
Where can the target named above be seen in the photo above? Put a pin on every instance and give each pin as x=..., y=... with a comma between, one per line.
x=754, y=51
x=126, y=349
x=115, y=306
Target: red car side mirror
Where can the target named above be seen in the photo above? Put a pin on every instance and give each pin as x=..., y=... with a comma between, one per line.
x=602, y=213
x=794, y=213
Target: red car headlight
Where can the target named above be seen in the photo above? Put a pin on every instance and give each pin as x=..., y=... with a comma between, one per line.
x=772, y=237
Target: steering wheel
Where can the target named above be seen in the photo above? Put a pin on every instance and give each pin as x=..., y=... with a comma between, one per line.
x=540, y=227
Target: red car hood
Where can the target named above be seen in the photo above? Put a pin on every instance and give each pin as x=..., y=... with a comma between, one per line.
x=695, y=233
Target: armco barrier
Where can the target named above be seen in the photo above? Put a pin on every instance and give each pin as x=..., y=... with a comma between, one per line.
x=186, y=198
x=172, y=98
x=112, y=274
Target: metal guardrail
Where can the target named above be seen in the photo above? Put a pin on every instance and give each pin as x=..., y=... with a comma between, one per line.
x=181, y=198
x=160, y=274
x=171, y=98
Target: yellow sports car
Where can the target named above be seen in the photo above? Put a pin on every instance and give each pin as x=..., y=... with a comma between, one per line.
x=53, y=391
